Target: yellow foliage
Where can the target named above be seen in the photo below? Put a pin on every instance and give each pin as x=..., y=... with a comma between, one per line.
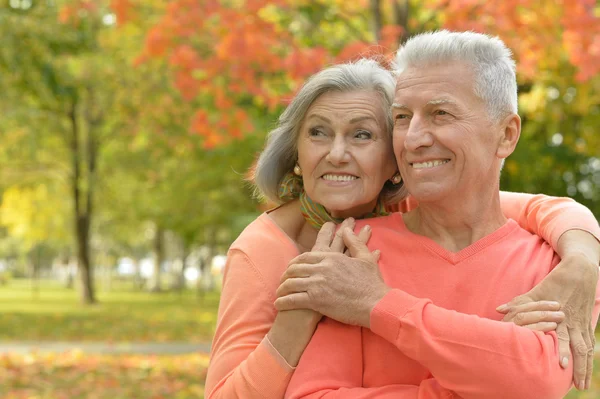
x=34, y=214
x=533, y=101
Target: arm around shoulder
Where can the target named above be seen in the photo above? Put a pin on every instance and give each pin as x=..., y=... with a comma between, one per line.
x=548, y=217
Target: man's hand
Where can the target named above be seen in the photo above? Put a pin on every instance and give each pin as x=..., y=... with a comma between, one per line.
x=541, y=316
x=572, y=283
x=340, y=287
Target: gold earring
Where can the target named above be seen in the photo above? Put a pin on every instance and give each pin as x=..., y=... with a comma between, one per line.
x=297, y=170
x=396, y=179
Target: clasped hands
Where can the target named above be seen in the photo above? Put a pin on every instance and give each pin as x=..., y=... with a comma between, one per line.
x=340, y=279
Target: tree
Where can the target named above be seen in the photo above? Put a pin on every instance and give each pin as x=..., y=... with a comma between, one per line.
x=227, y=57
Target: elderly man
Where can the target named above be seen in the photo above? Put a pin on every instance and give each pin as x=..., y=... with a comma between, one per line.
x=424, y=323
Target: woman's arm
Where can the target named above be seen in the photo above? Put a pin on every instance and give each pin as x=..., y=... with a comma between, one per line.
x=573, y=232
x=548, y=217
x=244, y=363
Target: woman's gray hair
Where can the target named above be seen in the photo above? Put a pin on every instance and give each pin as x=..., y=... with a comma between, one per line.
x=280, y=153
x=491, y=60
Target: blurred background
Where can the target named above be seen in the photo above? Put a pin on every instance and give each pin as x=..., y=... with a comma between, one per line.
x=126, y=131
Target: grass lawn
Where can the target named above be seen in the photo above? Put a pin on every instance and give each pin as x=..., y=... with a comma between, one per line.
x=75, y=375
x=122, y=315
x=54, y=314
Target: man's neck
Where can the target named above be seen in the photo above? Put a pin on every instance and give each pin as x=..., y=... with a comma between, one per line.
x=455, y=224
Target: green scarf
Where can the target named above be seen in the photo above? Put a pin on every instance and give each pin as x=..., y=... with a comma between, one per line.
x=315, y=214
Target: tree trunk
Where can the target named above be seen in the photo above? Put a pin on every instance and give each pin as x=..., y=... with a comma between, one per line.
x=83, y=212
x=179, y=283
x=401, y=18
x=155, y=285
x=377, y=19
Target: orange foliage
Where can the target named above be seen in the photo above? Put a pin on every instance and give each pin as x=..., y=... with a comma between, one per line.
x=122, y=9
x=227, y=57
x=536, y=31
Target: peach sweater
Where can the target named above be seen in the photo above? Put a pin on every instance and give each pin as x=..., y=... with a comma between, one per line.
x=437, y=333
x=244, y=364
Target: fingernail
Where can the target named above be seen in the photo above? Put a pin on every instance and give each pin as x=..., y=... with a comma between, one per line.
x=582, y=385
x=502, y=308
x=367, y=227
x=564, y=362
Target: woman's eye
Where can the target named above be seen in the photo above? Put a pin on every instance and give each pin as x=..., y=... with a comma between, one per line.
x=316, y=132
x=363, y=134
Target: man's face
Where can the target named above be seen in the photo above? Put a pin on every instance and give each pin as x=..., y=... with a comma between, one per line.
x=444, y=142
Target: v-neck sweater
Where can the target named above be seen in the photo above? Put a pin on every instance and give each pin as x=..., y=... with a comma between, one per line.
x=243, y=363
x=437, y=334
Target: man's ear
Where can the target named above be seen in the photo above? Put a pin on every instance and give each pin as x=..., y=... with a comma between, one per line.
x=511, y=131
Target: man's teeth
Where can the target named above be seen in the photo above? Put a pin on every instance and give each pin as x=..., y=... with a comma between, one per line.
x=339, y=177
x=429, y=164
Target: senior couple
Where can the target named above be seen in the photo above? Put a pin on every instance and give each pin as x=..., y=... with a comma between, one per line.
x=469, y=292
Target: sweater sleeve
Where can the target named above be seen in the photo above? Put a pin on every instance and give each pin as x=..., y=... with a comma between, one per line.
x=548, y=217
x=243, y=363
x=331, y=367
x=473, y=356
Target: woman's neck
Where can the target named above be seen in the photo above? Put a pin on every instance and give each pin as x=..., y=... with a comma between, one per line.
x=289, y=219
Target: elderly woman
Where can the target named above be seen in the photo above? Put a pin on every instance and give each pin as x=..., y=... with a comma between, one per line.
x=330, y=158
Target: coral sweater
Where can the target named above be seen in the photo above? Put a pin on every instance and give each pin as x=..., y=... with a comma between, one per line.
x=437, y=334
x=243, y=363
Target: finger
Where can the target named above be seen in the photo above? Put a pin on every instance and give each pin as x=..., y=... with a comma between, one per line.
x=521, y=300
x=376, y=255
x=324, y=238
x=589, y=361
x=308, y=258
x=337, y=245
x=298, y=300
x=364, y=234
x=579, y=350
x=532, y=317
x=357, y=248
x=590, y=364
x=542, y=326
x=301, y=270
x=293, y=285
x=534, y=306
x=564, y=351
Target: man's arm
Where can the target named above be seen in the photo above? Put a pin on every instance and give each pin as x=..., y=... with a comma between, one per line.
x=331, y=367
x=473, y=356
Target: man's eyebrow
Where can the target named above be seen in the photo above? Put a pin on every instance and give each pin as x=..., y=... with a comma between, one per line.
x=399, y=106
x=441, y=101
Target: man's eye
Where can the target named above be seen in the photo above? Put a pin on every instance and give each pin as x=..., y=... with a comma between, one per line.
x=441, y=112
x=363, y=134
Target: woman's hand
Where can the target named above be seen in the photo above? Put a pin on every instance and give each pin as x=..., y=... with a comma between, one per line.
x=573, y=284
x=293, y=329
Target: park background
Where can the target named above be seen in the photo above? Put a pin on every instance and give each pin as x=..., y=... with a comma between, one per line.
x=126, y=131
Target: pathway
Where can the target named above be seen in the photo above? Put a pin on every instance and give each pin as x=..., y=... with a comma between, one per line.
x=146, y=348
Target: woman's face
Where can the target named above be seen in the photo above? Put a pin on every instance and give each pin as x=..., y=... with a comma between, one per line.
x=345, y=152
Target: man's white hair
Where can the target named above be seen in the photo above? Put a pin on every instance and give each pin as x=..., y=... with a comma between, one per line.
x=490, y=59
